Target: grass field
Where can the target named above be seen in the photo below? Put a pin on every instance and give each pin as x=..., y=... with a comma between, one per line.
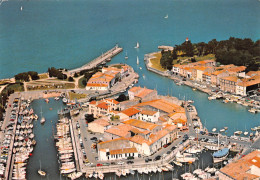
x=72, y=96
x=81, y=85
x=156, y=62
x=207, y=57
x=43, y=76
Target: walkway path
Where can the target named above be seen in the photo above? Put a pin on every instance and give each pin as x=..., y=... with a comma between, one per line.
x=99, y=60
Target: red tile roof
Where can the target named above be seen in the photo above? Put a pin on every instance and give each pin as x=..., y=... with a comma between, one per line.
x=134, y=89
x=147, y=112
x=130, y=111
x=103, y=105
x=141, y=124
x=123, y=151
x=240, y=169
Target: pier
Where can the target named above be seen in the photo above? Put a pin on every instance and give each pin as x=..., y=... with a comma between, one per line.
x=99, y=60
x=10, y=160
x=74, y=146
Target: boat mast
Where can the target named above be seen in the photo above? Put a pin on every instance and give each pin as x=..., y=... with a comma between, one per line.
x=218, y=140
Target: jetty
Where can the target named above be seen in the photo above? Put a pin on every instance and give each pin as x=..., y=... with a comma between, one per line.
x=99, y=60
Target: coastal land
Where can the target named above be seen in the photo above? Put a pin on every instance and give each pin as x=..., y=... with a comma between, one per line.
x=142, y=133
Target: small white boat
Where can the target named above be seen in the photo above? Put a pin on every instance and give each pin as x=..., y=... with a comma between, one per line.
x=166, y=17
x=140, y=68
x=238, y=132
x=164, y=168
x=65, y=100
x=21, y=8
x=101, y=175
x=137, y=60
x=185, y=157
x=214, y=129
x=159, y=169
x=42, y=173
x=137, y=45
x=252, y=110
x=222, y=130
x=212, y=148
x=132, y=172
x=177, y=163
x=42, y=120
x=126, y=57
x=245, y=133
x=211, y=97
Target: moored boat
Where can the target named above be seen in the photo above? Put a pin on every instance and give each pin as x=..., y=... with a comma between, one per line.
x=220, y=155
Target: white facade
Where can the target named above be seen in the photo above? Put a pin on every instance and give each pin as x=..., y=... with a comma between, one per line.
x=241, y=90
x=199, y=76
x=131, y=95
x=106, y=156
x=95, y=88
x=208, y=79
x=175, y=70
x=149, y=118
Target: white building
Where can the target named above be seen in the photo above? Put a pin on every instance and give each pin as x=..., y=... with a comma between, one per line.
x=149, y=116
x=116, y=149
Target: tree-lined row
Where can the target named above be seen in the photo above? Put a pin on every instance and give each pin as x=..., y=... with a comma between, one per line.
x=232, y=51
x=25, y=76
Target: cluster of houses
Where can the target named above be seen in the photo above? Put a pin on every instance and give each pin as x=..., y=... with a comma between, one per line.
x=248, y=167
x=107, y=78
x=139, y=126
x=229, y=78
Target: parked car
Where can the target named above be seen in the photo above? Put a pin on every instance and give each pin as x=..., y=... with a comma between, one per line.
x=120, y=163
x=93, y=138
x=99, y=164
x=148, y=159
x=130, y=162
x=173, y=148
x=157, y=158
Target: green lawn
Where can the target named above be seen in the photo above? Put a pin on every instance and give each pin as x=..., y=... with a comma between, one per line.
x=72, y=96
x=16, y=87
x=80, y=85
x=207, y=57
x=156, y=62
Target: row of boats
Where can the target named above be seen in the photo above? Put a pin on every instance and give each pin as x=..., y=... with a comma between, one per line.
x=239, y=132
x=200, y=174
x=22, y=149
x=125, y=172
x=23, y=136
x=65, y=149
x=238, y=100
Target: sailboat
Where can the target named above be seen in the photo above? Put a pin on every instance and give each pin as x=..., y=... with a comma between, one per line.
x=42, y=119
x=137, y=60
x=166, y=17
x=137, y=45
x=126, y=57
x=21, y=8
x=245, y=133
x=42, y=173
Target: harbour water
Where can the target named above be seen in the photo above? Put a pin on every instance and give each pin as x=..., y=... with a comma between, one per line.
x=45, y=152
x=66, y=33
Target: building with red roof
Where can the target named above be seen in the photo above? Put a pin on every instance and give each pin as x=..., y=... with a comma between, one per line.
x=142, y=94
x=248, y=167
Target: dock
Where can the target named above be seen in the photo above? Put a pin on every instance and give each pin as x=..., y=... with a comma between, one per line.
x=74, y=146
x=10, y=160
x=99, y=60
